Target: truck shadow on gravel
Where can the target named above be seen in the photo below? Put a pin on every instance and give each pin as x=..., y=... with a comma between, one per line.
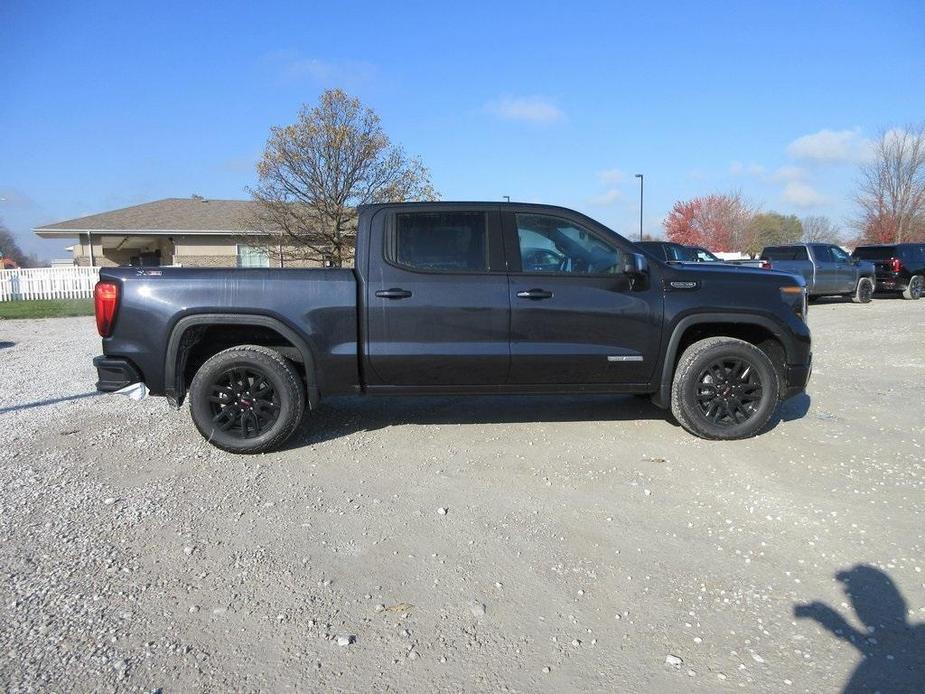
x=49, y=401
x=892, y=650
x=341, y=416
x=5, y=345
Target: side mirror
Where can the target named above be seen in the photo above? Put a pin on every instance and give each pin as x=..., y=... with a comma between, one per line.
x=636, y=265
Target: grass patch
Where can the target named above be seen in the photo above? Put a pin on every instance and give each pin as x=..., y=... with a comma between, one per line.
x=46, y=308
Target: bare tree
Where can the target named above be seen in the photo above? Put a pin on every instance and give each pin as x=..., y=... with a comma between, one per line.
x=315, y=173
x=820, y=229
x=10, y=249
x=891, y=189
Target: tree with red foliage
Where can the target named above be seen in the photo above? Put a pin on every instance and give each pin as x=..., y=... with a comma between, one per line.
x=891, y=190
x=718, y=222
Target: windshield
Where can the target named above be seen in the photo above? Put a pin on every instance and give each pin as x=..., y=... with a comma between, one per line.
x=704, y=256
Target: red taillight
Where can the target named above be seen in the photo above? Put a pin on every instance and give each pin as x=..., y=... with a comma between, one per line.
x=896, y=265
x=765, y=264
x=106, y=299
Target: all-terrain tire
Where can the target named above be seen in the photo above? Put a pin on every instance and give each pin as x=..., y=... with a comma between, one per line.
x=864, y=292
x=219, y=387
x=689, y=385
x=915, y=289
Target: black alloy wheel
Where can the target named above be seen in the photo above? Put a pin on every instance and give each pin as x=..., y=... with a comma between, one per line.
x=244, y=402
x=729, y=391
x=247, y=399
x=724, y=388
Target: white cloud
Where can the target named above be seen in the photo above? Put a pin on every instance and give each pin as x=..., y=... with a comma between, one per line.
x=293, y=67
x=11, y=197
x=611, y=176
x=785, y=174
x=326, y=72
x=831, y=147
x=533, y=109
x=737, y=168
x=608, y=197
x=801, y=194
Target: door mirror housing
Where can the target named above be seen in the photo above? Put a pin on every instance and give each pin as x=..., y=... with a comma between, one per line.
x=636, y=265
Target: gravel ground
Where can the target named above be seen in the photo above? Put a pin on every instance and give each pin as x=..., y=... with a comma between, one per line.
x=515, y=544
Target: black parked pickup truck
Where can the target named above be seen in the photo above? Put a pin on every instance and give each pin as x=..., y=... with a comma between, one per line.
x=900, y=267
x=458, y=298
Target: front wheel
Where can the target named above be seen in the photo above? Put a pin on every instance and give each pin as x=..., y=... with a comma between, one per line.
x=915, y=288
x=247, y=399
x=724, y=388
x=864, y=292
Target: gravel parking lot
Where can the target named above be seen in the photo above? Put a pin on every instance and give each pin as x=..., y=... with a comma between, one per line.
x=515, y=544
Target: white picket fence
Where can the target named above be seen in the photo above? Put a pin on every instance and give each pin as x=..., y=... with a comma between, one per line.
x=48, y=283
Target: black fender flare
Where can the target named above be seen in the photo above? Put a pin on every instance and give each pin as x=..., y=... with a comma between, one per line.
x=662, y=397
x=175, y=390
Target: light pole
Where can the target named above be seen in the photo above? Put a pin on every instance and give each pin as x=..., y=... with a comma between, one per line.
x=641, y=183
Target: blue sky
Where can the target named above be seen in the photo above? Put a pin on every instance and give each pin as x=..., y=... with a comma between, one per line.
x=104, y=105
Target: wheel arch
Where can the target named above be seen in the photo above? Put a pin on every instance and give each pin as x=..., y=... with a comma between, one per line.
x=187, y=333
x=757, y=330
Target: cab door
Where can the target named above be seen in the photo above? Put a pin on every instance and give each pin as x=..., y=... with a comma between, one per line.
x=436, y=298
x=846, y=274
x=827, y=270
x=576, y=317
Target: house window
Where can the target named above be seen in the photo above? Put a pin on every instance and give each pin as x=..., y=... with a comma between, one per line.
x=252, y=256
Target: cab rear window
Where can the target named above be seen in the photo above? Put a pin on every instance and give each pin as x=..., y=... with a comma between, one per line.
x=874, y=252
x=784, y=253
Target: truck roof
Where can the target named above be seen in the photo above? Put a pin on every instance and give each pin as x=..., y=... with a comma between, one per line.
x=469, y=204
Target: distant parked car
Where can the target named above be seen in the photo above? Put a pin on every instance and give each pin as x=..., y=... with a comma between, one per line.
x=669, y=251
x=672, y=252
x=827, y=269
x=900, y=267
x=678, y=253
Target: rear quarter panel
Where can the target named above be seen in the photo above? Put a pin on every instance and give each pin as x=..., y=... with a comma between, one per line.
x=318, y=304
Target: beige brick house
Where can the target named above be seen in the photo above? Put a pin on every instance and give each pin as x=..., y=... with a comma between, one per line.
x=191, y=232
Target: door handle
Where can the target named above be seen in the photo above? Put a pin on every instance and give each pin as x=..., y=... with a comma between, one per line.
x=535, y=294
x=394, y=293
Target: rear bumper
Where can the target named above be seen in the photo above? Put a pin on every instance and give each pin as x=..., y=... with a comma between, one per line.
x=891, y=283
x=115, y=373
x=798, y=376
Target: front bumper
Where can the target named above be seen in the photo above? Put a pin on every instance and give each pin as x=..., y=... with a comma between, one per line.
x=115, y=373
x=798, y=376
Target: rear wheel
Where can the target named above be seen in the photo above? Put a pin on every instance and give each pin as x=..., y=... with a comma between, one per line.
x=864, y=291
x=915, y=288
x=247, y=399
x=724, y=388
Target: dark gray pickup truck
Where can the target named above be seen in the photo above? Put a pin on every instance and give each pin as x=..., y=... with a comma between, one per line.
x=827, y=269
x=458, y=298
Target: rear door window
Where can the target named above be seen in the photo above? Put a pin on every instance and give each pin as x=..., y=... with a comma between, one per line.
x=440, y=241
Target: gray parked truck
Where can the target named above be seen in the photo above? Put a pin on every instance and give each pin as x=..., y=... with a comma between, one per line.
x=827, y=269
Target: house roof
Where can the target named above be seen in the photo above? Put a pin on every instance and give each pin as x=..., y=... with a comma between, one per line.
x=171, y=215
